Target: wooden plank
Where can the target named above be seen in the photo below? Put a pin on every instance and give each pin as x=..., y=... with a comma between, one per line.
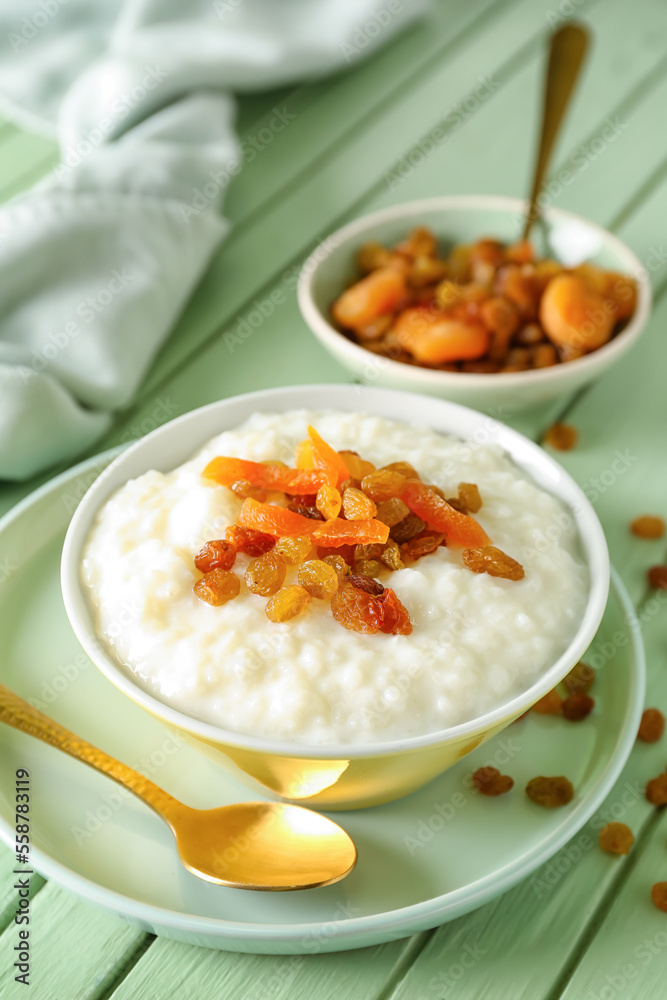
x=78, y=951
x=173, y=971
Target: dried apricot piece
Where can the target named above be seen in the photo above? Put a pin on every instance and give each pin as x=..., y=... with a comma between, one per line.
x=379, y=292
x=356, y=610
x=580, y=678
x=575, y=314
x=408, y=528
x=652, y=725
x=659, y=895
x=341, y=532
x=383, y=484
x=469, y=497
x=489, y=781
x=657, y=577
x=347, y=552
x=550, y=704
x=392, y=511
x=648, y=526
x=303, y=455
x=274, y=520
x=460, y=529
x=328, y=501
x=217, y=554
x=327, y=460
x=266, y=574
x=495, y=562
x=318, y=578
x=287, y=603
x=577, y=706
x=656, y=790
x=616, y=838
x=357, y=506
x=395, y=617
x=253, y=543
x=217, y=587
x=294, y=549
x=225, y=471
x=357, y=466
x=550, y=792
x=562, y=437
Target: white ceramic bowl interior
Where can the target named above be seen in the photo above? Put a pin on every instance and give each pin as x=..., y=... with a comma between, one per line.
x=463, y=219
x=177, y=441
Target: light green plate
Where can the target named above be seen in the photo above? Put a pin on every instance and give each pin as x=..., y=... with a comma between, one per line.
x=422, y=861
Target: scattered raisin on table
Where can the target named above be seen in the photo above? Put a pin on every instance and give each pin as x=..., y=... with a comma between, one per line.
x=561, y=437
x=659, y=895
x=253, y=543
x=265, y=574
x=489, y=781
x=495, y=562
x=356, y=610
x=577, y=706
x=580, y=679
x=616, y=838
x=217, y=587
x=648, y=526
x=652, y=725
x=318, y=578
x=550, y=704
x=294, y=549
x=656, y=790
x=217, y=554
x=287, y=603
x=657, y=577
x=550, y=792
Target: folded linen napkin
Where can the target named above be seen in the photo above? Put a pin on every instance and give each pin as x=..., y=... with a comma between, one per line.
x=97, y=260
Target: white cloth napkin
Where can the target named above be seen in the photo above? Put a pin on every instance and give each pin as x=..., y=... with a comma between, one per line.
x=97, y=260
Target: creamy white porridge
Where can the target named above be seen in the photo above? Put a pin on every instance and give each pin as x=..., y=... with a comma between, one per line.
x=476, y=642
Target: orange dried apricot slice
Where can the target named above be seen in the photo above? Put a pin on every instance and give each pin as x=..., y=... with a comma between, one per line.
x=226, y=471
x=327, y=460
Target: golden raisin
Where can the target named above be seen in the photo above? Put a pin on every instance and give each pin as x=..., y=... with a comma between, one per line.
x=357, y=506
x=550, y=704
x=562, y=437
x=656, y=790
x=368, y=567
x=340, y=567
x=657, y=577
x=366, y=583
x=328, y=502
x=217, y=554
x=306, y=511
x=550, y=792
x=395, y=617
x=652, y=726
x=489, y=781
x=356, y=465
x=391, y=555
x=243, y=489
x=580, y=679
x=408, y=528
x=287, y=603
x=265, y=575
x=253, y=543
x=489, y=559
x=372, y=255
x=318, y=578
x=648, y=526
x=217, y=587
x=356, y=610
x=404, y=468
x=372, y=550
x=422, y=545
x=295, y=549
x=659, y=895
x=392, y=511
x=470, y=498
x=577, y=706
x=383, y=484
x=616, y=838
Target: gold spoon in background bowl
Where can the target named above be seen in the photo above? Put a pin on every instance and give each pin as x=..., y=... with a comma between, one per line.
x=567, y=51
x=248, y=845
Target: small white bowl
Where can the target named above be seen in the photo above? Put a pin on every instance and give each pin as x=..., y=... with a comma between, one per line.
x=463, y=219
x=336, y=776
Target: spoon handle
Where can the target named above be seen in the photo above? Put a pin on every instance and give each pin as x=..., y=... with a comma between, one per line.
x=20, y=715
x=567, y=50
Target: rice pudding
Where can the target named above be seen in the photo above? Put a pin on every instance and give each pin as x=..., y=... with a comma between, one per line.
x=475, y=640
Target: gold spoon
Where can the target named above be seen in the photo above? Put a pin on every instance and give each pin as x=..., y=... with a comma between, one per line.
x=248, y=845
x=567, y=50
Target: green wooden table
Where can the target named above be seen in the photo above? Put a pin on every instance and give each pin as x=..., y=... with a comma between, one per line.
x=353, y=143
